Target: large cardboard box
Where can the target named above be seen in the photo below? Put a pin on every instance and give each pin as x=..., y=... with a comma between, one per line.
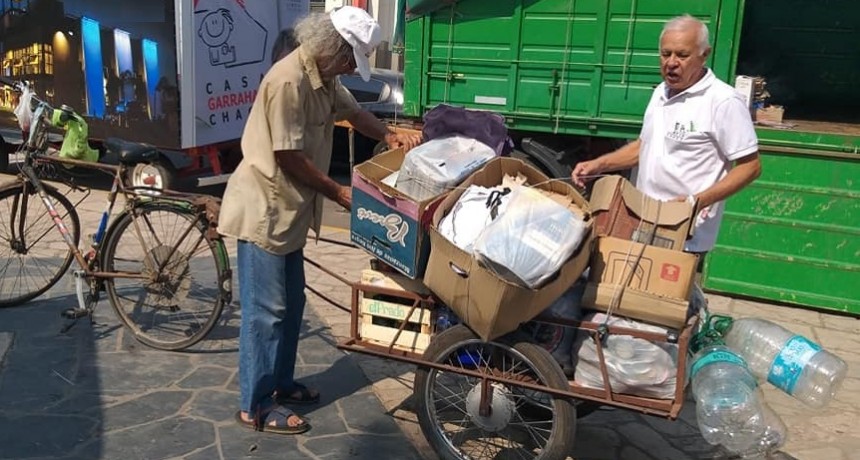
x=659, y=281
x=622, y=211
x=489, y=305
x=385, y=222
x=770, y=114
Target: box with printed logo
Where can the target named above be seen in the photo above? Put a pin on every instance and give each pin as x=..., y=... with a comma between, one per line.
x=659, y=286
x=386, y=223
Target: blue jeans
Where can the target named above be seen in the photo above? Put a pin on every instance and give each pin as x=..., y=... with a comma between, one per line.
x=272, y=293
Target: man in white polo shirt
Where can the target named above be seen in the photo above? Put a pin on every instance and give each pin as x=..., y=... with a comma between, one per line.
x=694, y=128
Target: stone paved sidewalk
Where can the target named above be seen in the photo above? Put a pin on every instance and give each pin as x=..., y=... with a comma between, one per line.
x=96, y=393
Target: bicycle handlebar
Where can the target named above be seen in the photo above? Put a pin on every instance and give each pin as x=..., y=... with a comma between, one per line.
x=9, y=82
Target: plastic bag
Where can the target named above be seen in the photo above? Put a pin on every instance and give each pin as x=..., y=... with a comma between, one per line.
x=530, y=242
x=476, y=208
x=439, y=165
x=22, y=111
x=635, y=366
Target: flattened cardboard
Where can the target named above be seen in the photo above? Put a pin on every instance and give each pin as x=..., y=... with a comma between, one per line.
x=489, y=305
x=660, y=271
x=618, y=207
x=393, y=281
x=644, y=306
x=385, y=222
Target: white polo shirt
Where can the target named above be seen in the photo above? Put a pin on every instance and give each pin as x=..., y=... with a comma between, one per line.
x=689, y=142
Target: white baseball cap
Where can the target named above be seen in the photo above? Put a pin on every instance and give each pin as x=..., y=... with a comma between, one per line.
x=361, y=31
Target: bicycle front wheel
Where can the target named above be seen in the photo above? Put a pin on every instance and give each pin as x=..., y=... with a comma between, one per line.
x=34, y=254
x=167, y=289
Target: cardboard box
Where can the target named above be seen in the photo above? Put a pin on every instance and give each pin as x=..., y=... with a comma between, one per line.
x=643, y=306
x=386, y=223
x=770, y=114
x=622, y=211
x=659, y=271
x=489, y=305
x=659, y=286
x=393, y=281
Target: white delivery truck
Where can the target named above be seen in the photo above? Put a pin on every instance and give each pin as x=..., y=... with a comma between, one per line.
x=178, y=75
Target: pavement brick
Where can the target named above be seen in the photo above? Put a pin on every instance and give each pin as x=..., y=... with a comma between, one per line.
x=169, y=438
x=144, y=409
x=38, y=436
x=214, y=405
x=206, y=377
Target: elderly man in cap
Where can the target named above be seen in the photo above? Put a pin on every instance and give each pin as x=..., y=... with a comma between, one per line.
x=276, y=194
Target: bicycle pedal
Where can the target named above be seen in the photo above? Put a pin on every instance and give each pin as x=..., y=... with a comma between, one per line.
x=75, y=313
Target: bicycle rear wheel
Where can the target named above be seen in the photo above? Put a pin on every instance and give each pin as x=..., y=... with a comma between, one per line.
x=34, y=255
x=173, y=297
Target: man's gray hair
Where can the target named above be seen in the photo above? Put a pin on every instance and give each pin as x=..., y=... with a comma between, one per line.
x=316, y=33
x=687, y=22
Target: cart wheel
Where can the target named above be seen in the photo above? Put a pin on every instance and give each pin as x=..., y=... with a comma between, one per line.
x=521, y=423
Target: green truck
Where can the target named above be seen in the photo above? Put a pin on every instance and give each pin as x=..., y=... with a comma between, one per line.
x=573, y=77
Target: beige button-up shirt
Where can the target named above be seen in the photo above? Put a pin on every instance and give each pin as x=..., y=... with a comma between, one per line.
x=294, y=110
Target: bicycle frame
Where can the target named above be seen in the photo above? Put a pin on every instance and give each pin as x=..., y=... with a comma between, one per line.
x=171, y=229
x=34, y=152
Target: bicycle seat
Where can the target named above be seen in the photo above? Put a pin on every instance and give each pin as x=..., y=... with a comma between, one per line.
x=131, y=152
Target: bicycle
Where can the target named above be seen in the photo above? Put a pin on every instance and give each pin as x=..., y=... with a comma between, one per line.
x=151, y=259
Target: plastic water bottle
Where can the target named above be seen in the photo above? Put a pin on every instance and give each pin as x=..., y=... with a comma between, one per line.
x=729, y=409
x=789, y=361
x=774, y=437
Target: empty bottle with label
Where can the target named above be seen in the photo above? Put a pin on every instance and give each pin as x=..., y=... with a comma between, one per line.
x=729, y=410
x=789, y=361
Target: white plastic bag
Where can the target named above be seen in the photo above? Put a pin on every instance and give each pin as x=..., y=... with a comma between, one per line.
x=439, y=165
x=635, y=366
x=22, y=111
x=530, y=242
x=476, y=208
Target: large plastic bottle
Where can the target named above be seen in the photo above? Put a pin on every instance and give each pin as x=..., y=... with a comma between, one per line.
x=729, y=410
x=789, y=361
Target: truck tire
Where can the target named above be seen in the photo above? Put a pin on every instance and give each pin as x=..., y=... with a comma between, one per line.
x=155, y=175
x=525, y=158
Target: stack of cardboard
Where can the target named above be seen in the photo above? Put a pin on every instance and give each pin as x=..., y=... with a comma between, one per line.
x=639, y=269
x=755, y=94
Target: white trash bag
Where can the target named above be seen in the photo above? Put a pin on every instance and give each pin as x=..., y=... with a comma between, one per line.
x=22, y=111
x=530, y=242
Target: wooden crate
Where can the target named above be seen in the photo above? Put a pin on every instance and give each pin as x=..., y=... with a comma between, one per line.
x=381, y=316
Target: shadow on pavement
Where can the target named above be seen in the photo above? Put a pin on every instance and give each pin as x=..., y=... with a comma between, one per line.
x=50, y=385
